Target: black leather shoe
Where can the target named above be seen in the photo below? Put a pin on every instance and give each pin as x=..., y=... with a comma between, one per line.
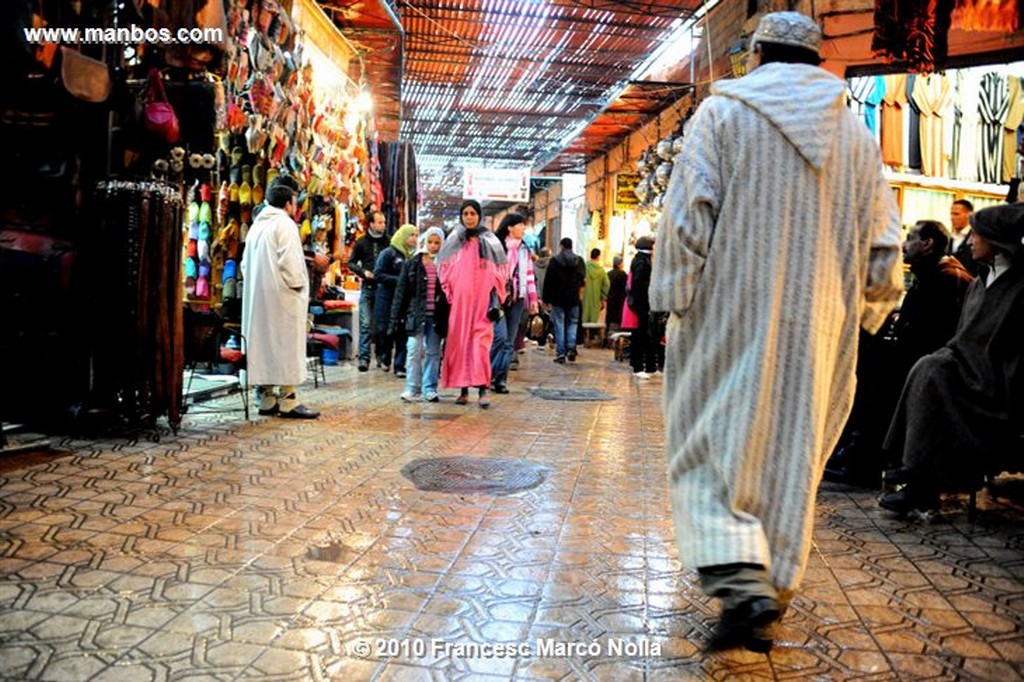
x=299, y=412
x=571, y=357
x=747, y=625
x=364, y=365
x=910, y=499
x=269, y=412
x=500, y=388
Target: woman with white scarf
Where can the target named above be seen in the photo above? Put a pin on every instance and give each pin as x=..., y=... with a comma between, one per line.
x=420, y=302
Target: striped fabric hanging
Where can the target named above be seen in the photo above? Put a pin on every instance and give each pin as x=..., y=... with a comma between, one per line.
x=993, y=107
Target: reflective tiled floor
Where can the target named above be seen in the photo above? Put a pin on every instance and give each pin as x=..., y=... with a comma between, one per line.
x=281, y=550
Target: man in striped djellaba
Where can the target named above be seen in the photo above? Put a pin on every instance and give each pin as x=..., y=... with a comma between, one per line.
x=779, y=239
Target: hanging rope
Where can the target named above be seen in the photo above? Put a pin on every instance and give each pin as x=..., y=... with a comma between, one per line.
x=707, y=30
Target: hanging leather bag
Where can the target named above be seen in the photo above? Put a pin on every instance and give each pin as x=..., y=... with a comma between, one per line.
x=86, y=78
x=158, y=114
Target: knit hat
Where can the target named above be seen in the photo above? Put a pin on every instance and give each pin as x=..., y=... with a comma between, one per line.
x=788, y=28
x=1002, y=226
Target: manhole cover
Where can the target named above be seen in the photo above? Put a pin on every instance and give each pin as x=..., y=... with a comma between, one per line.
x=571, y=394
x=473, y=475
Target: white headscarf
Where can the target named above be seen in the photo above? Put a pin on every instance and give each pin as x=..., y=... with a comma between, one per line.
x=422, y=246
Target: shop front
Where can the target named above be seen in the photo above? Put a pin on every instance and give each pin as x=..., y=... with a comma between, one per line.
x=129, y=219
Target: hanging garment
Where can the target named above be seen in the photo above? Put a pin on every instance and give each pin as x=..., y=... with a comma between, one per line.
x=986, y=15
x=958, y=116
x=913, y=126
x=1014, y=117
x=863, y=98
x=993, y=105
x=914, y=32
x=893, y=103
x=933, y=98
x=970, y=125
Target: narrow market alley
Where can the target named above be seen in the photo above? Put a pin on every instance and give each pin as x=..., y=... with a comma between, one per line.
x=285, y=550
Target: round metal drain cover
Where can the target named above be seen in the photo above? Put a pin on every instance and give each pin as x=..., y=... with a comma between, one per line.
x=473, y=475
x=571, y=394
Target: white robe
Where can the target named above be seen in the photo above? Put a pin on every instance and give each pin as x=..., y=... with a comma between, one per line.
x=275, y=300
x=780, y=237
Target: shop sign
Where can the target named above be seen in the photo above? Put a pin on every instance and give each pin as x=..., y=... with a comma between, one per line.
x=496, y=184
x=625, y=197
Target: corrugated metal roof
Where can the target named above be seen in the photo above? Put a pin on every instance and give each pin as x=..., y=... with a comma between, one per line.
x=506, y=81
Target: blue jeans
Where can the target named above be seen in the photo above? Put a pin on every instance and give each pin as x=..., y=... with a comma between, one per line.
x=366, y=326
x=565, y=320
x=420, y=372
x=503, y=346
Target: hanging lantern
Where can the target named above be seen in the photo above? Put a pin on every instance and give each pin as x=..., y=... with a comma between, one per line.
x=642, y=189
x=663, y=173
x=664, y=149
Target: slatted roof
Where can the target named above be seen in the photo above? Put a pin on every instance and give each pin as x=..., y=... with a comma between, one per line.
x=510, y=81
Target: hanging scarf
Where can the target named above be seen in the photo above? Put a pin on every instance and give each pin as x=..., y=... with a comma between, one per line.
x=914, y=32
x=987, y=15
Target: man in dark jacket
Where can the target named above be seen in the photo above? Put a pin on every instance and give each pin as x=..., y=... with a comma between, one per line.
x=962, y=406
x=959, y=247
x=926, y=320
x=566, y=275
x=361, y=263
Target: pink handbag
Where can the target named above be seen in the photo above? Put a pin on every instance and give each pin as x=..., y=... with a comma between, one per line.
x=158, y=114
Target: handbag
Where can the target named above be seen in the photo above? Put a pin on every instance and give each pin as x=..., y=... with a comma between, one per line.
x=86, y=78
x=158, y=114
x=494, y=311
x=510, y=299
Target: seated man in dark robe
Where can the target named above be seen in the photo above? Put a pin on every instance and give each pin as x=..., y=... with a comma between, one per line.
x=926, y=320
x=962, y=406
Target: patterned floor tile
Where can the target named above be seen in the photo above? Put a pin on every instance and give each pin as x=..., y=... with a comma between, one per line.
x=276, y=550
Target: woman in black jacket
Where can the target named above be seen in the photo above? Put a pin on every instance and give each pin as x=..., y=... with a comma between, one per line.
x=421, y=310
x=645, y=340
x=385, y=273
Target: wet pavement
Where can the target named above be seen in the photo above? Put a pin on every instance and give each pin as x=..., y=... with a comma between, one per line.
x=284, y=550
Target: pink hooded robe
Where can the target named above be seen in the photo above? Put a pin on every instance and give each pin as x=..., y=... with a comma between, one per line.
x=467, y=281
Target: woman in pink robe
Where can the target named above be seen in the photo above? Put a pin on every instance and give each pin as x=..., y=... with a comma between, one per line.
x=471, y=267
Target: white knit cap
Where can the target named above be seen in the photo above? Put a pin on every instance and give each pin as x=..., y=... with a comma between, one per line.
x=788, y=28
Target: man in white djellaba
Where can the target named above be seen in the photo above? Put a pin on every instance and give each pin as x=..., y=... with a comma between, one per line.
x=275, y=301
x=780, y=237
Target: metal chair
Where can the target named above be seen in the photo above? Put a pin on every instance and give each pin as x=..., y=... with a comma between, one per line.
x=205, y=334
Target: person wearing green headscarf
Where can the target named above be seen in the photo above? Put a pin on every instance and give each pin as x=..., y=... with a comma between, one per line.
x=386, y=273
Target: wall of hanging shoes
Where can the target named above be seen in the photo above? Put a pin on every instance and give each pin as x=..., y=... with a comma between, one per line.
x=269, y=119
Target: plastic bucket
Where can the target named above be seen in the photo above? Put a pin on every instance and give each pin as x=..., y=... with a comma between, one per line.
x=330, y=356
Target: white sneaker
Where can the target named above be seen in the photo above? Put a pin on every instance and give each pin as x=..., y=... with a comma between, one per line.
x=409, y=397
x=641, y=375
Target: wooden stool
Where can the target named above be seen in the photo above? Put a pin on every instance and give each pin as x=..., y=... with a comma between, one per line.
x=593, y=334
